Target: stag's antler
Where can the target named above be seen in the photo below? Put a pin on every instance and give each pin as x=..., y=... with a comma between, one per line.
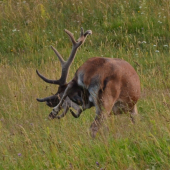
x=66, y=64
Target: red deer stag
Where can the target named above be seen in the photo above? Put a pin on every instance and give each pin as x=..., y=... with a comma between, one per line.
x=109, y=84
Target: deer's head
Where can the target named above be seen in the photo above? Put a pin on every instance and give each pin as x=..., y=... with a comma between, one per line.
x=53, y=100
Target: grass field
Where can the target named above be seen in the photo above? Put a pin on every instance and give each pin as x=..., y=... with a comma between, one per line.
x=136, y=31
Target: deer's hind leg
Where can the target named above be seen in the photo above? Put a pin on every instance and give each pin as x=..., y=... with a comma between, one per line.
x=120, y=107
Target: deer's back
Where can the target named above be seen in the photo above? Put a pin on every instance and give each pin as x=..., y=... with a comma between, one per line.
x=99, y=71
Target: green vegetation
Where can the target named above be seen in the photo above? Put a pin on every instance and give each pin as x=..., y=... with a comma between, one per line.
x=137, y=31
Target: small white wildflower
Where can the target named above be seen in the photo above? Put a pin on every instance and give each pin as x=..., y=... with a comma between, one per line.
x=75, y=31
x=14, y=30
x=43, y=30
x=165, y=45
x=160, y=22
x=154, y=45
x=144, y=42
x=164, y=16
x=157, y=51
x=136, y=54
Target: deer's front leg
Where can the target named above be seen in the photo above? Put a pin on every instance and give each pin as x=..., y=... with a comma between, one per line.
x=95, y=126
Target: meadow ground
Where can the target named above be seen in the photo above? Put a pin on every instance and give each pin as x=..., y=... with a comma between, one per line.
x=136, y=31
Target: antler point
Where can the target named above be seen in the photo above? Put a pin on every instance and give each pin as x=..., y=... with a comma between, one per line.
x=65, y=30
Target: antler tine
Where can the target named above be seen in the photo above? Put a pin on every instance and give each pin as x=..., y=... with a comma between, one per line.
x=47, y=80
x=82, y=32
x=58, y=55
x=47, y=98
x=71, y=36
x=83, y=36
x=88, y=32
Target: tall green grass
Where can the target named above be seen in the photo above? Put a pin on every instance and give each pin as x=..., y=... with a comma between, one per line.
x=136, y=31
